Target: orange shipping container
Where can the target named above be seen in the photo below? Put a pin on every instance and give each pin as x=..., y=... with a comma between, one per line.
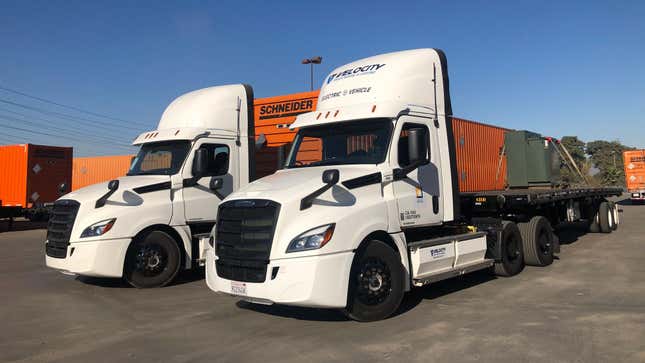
x=634, y=170
x=481, y=166
x=97, y=169
x=31, y=174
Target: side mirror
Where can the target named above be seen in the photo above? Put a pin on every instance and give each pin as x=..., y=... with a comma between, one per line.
x=330, y=177
x=261, y=142
x=200, y=163
x=62, y=188
x=113, y=185
x=216, y=184
x=417, y=145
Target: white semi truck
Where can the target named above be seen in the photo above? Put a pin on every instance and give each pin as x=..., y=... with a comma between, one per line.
x=147, y=225
x=369, y=206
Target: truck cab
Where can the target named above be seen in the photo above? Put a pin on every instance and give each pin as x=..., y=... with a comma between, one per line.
x=147, y=225
x=372, y=166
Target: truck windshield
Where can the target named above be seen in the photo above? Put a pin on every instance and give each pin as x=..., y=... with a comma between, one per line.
x=160, y=158
x=354, y=142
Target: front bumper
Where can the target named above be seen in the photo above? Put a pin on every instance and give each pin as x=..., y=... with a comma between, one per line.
x=640, y=196
x=314, y=281
x=102, y=258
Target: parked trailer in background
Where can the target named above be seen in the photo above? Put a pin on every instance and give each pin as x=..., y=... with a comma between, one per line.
x=96, y=169
x=635, y=174
x=383, y=190
x=31, y=177
x=154, y=221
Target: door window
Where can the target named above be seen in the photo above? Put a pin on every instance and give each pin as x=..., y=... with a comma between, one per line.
x=218, y=159
x=403, y=142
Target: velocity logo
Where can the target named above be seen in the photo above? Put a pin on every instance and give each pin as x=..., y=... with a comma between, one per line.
x=358, y=71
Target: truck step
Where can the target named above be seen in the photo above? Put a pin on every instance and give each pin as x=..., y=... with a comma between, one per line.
x=453, y=273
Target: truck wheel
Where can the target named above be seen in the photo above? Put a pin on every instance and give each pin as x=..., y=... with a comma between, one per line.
x=538, y=241
x=376, y=283
x=614, y=215
x=152, y=260
x=605, y=217
x=592, y=220
x=512, y=258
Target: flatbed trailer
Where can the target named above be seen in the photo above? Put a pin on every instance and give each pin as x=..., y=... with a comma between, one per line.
x=514, y=201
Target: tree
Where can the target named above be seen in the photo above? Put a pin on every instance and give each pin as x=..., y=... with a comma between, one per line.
x=607, y=157
x=576, y=148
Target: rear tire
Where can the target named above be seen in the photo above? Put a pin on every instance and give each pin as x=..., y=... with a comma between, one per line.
x=376, y=283
x=594, y=226
x=512, y=254
x=152, y=260
x=604, y=217
x=614, y=215
x=537, y=235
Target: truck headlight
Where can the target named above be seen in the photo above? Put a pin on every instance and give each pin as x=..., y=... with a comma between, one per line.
x=312, y=239
x=98, y=228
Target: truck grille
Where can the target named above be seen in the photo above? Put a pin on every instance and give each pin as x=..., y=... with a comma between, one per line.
x=243, y=238
x=59, y=228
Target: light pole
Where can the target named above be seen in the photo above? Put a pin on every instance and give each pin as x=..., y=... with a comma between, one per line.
x=311, y=61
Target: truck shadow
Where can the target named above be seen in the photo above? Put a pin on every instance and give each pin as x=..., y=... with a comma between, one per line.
x=570, y=233
x=184, y=277
x=627, y=201
x=21, y=225
x=410, y=300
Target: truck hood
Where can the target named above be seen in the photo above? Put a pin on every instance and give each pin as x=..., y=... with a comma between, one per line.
x=91, y=193
x=291, y=184
x=352, y=210
x=131, y=209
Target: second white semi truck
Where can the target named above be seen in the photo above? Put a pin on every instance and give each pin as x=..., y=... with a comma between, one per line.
x=369, y=204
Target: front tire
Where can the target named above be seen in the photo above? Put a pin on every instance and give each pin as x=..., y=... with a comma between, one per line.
x=152, y=260
x=512, y=254
x=539, y=242
x=376, y=285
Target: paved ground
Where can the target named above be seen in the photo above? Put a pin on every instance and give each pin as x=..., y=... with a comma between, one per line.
x=588, y=306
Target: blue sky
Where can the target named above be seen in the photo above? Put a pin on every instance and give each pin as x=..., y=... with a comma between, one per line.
x=559, y=68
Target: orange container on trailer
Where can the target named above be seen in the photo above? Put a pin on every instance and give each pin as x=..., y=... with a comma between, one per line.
x=31, y=175
x=481, y=165
x=97, y=169
x=634, y=170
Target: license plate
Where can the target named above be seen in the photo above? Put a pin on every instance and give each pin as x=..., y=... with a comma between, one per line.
x=238, y=288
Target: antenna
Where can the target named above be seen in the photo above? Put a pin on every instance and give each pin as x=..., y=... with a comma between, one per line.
x=239, y=110
x=434, y=82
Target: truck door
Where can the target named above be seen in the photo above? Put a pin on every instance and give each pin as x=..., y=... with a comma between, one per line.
x=418, y=195
x=200, y=202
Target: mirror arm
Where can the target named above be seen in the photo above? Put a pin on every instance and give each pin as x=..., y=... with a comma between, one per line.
x=308, y=201
x=101, y=201
x=402, y=173
x=191, y=182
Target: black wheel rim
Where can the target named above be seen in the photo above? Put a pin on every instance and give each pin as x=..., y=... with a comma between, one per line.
x=512, y=249
x=374, y=282
x=151, y=259
x=544, y=244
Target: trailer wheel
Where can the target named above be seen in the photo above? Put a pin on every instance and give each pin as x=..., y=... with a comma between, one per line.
x=615, y=218
x=152, y=260
x=592, y=220
x=512, y=254
x=376, y=283
x=537, y=235
x=605, y=217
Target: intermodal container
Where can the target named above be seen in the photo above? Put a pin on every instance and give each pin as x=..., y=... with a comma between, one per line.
x=31, y=175
x=97, y=169
x=481, y=161
x=634, y=161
